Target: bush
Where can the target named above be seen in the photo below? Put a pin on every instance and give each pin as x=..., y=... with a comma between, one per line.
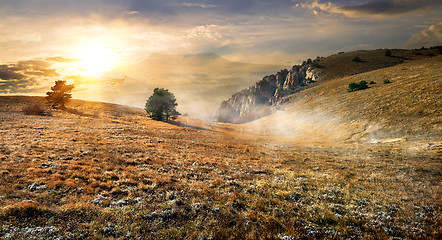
x=386, y=81
x=357, y=86
x=161, y=105
x=372, y=82
x=388, y=53
x=35, y=109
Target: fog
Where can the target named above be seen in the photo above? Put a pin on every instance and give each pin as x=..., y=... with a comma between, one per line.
x=199, y=82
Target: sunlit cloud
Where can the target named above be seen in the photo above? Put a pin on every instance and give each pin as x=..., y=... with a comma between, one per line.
x=376, y=8
x=200, y=5
x=431, y=36
x=206, y=31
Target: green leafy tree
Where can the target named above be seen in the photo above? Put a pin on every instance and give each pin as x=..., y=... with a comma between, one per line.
x=161, y=105
x=388, y=53
x=59, y=94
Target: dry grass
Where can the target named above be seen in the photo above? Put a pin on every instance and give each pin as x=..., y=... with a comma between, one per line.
x=106, y=171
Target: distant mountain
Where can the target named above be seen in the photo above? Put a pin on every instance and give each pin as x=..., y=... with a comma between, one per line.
x=195, y=67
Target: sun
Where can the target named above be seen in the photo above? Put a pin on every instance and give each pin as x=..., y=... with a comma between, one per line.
x=95, y=60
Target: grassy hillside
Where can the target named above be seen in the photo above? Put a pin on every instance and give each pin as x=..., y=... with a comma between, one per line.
x=343, y=64
x=407, y=109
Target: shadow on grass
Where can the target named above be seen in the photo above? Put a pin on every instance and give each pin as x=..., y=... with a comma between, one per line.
x=401, y=58
x=176, y=123
x=76, y=112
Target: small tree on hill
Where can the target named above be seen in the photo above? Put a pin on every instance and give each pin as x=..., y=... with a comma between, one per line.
x=60, y=94
x=161, y=105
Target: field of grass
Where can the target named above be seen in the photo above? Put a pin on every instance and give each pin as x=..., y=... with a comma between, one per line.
x=103, y=171
x=107, y=171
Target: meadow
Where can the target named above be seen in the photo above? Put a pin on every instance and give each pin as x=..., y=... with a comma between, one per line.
x=103, y=171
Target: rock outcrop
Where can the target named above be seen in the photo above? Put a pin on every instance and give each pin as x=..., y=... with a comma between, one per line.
x=267, y=92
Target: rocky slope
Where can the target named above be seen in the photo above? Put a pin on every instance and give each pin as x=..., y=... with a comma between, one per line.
x=269, y=90
x=259, y=100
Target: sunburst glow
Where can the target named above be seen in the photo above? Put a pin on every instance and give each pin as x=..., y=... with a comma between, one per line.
x=95, y=60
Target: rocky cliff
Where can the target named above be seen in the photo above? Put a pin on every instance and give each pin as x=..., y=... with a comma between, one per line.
x=248, y=104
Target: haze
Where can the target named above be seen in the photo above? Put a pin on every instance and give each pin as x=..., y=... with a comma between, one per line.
x=203, y=51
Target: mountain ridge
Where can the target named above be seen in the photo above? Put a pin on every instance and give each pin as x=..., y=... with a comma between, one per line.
x=260, y=100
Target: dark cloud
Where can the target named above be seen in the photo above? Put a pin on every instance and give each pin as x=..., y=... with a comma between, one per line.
x=23, y=76
x=155, y=11
x=393, y=7
x=373, y=8
x=17, y=85
x=8, y=72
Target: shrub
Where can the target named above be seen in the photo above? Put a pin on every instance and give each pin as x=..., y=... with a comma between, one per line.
x=161, y=105
x=386, y=81
x=372, y=82
x=59, y=95
x=356, y=59
x=35, y=109
x=357, y=86
x=388, y=53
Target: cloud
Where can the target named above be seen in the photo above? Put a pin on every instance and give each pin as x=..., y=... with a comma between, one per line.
x=201, y=5
x=8, y=72
x=431, y=36
x=24, y=76
x=205, y=31
x=21, y=69
x=133, y=13
x=62, y=59
x=376, y=8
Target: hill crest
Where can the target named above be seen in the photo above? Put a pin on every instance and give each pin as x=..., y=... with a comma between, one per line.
x=273, y=90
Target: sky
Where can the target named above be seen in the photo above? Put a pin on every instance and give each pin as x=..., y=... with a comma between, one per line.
x=43, y=40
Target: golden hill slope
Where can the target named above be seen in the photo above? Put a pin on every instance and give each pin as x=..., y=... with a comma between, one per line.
x=342, y=64
x=407, y=108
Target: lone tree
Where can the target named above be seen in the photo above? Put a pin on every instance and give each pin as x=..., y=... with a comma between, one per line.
x=161, y=105
x=60, y=94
